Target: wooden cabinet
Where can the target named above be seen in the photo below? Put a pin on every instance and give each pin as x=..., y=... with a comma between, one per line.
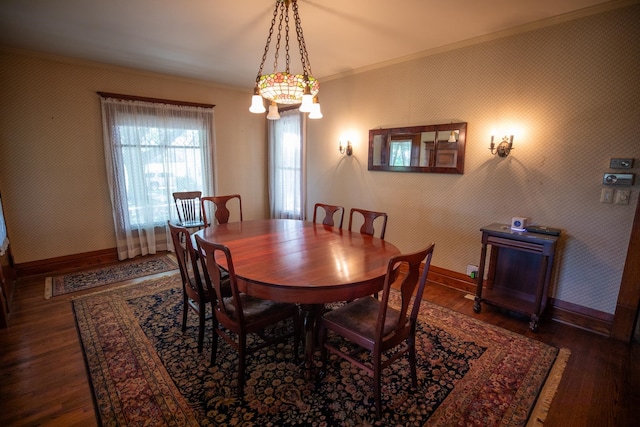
x=520, y=266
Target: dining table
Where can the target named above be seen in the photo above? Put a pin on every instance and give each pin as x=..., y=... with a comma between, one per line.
x=295, y=261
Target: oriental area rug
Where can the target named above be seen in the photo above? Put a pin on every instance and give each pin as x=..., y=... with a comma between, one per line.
x=124, y=270
x=145, y=371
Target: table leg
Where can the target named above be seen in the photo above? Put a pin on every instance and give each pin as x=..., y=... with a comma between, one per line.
x=310, y=315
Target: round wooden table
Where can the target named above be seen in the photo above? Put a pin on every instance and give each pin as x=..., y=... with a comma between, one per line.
x=302, y=262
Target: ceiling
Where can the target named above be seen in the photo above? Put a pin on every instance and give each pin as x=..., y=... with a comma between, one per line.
x=223, y=41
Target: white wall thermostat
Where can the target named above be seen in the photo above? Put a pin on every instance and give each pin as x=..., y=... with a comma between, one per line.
x=519, y=223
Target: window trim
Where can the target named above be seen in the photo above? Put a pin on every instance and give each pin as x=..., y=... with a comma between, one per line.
x=154, y=100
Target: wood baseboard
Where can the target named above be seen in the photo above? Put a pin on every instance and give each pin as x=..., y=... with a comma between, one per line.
x=561, y=311
x=53, y=265
x=581, y=317
x=451, y=279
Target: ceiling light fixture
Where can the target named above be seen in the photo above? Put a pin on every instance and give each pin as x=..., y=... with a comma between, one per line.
x=282, y=87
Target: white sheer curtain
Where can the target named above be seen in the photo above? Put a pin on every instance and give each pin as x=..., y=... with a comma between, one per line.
x=287, y=175
x=153, y=149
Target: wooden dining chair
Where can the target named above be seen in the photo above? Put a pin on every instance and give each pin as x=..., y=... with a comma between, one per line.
x=220, y=209
x=329, y=214
x=195, y=296
x=369, y=218
x=189, y=208
x=376, y=327
x=240, y=314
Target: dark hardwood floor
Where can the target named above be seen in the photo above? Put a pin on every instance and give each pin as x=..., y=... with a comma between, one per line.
x=43, y=380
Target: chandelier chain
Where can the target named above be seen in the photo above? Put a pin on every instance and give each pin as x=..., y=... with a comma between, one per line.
x=279, y=37
x=286, y=45
x=304, y=56
x=266, y=46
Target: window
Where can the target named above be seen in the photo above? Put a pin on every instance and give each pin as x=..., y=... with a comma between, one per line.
x=286, y=165
x=152, y=150
x=156, y=165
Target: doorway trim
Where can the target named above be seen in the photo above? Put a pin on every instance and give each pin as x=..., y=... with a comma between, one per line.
x=628, y=305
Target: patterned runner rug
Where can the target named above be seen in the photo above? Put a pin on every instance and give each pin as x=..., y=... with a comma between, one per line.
x=124, y=270
x=143, y=370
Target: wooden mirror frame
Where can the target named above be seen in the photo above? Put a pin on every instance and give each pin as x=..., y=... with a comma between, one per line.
x=448, y=159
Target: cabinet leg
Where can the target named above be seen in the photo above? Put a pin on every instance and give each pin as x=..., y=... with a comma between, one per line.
x=476, y=305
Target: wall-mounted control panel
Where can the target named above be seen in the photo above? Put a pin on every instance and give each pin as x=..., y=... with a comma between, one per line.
x=618, y=178
x=621, y=163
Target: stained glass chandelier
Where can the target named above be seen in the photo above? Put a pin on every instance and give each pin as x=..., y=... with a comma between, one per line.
x=283, y=87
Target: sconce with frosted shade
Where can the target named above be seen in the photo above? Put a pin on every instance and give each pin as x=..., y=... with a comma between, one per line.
x=452, y=137
x=503, y=148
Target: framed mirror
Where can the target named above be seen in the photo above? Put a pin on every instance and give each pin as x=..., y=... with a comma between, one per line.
x=429, y=148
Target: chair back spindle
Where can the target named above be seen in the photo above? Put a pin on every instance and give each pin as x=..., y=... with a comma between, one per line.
x=189, y=208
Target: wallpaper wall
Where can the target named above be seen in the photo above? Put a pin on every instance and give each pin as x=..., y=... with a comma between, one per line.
x=572, y=91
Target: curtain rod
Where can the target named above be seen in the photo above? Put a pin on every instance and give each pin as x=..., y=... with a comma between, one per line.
x=154, y=100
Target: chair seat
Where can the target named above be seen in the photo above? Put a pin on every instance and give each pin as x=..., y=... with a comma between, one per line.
x=361, y=316
x=255, y=308
x=192, y=224
x=192, y=291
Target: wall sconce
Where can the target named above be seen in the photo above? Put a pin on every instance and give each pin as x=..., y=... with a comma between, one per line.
x=348, y=149
x=504, y=147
